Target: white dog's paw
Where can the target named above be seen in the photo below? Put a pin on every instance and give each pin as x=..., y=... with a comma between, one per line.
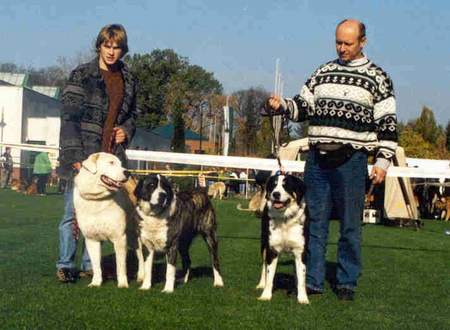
x=265, y=297
x=261, y=285
x=122, y=281
x=218, y=281
x=145, y=286
x=303, y=300
x=167, y=290
x=95, y=284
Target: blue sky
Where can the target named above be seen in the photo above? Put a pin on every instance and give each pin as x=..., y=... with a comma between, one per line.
x=240, y=40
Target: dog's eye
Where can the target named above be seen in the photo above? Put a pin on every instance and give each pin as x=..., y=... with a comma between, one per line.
x=111, y=162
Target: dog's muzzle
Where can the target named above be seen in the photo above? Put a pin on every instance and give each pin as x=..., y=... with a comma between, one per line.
x=277, y=203
x=111, y=183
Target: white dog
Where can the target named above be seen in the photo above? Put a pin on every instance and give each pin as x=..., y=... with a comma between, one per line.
x=104, y=212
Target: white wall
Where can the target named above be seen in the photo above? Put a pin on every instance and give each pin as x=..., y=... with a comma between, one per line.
x=11, y=104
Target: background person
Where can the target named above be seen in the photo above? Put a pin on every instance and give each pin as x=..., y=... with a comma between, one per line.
x=351, y=109
x=41, y=169
x=99, y=114
x=6, y=168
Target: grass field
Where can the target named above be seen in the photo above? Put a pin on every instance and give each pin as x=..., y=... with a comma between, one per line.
x=405, y=282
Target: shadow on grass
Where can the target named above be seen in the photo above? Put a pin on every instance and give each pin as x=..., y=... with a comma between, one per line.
x=288, y=282
x=158, y=270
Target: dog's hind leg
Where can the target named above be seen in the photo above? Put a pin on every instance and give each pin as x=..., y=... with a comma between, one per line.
x=211, y=241
x=148, y=265
x=95, y=253
x=170, y=270
x=185, y=259
x=300, y=269
x=120, y=247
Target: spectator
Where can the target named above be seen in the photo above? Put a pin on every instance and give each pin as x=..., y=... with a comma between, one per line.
x=41, y=170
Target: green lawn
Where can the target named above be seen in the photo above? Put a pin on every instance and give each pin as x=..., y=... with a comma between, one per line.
x=405, y=282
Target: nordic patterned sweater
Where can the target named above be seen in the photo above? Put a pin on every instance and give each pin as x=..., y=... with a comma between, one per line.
x=351, y=103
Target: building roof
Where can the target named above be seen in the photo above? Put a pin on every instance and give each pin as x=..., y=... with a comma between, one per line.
x=47, y=90
x=166, y=131
x=16, y=79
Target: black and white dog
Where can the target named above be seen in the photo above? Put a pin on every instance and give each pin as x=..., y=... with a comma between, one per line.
x=282, y=230
x=169, y=222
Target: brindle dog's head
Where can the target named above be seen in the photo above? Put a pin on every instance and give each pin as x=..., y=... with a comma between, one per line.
x=154, y=194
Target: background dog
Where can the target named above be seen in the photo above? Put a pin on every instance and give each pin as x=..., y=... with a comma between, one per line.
x=282, y=230
x=256, y=204
x=104, y=212
x=169, y=222
x=217, y=190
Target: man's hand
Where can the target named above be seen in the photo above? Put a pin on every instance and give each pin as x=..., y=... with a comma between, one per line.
x=119, y=135
x=76, y=166
x=378, y=174
x=274, y=102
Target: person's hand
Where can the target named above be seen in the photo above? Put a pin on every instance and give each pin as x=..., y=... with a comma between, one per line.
x=76, y=166
x=274, y=102
x=377, y=175
x=119, y=135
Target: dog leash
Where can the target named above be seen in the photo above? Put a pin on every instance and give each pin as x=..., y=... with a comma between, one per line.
x=275, y=135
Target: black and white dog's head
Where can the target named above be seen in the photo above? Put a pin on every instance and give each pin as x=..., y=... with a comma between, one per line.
x=154, y=195
x=284, y=195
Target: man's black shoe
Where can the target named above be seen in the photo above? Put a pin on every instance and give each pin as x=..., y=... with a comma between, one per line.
x=345, y=294
x=311, y=292
x=65, y=275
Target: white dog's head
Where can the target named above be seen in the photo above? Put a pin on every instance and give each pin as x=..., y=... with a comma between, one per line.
x=101, y=172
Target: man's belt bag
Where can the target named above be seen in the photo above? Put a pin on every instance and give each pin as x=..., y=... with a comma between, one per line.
x=328, y=159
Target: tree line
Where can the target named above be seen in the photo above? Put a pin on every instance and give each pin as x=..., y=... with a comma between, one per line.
x=173, y=90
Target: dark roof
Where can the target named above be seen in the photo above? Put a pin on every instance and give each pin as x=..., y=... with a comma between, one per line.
x=166, y=131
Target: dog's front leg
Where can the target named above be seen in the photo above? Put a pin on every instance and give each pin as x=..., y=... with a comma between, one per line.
x=171, y=258
x=95, y=253
x=272, y=260
x=262, y=280
x=140, y=257
x=148, y=265
x=120, y=247
x=300, y=269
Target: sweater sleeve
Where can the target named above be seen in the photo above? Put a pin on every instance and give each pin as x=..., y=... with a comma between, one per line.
x=73, y=96
x=301, y=104
x=385, y=119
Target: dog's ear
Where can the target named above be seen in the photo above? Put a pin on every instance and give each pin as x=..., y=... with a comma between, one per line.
x=138, y=189
x=90, y=163
x=270, y=185
x=300, y=189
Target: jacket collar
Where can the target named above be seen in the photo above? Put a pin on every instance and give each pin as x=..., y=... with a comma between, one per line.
x=94, y=69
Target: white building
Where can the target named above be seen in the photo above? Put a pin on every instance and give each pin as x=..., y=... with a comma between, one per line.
x=27, y=116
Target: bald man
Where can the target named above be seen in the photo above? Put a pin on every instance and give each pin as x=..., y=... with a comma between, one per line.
x=350, y=106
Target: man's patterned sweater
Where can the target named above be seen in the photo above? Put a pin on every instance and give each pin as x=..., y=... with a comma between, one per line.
x=351, y=103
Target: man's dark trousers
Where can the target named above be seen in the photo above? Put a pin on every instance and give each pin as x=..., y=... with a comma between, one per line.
x=343, y=187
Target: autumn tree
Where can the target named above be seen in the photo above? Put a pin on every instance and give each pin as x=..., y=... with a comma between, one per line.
x=447, y=134
x=247, y=104
x=170, y=88
x=426, y=125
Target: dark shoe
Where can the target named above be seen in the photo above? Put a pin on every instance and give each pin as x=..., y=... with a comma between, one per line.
x=65, y=275
x=310, y=291
x=345, y=294
x=86, y=274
